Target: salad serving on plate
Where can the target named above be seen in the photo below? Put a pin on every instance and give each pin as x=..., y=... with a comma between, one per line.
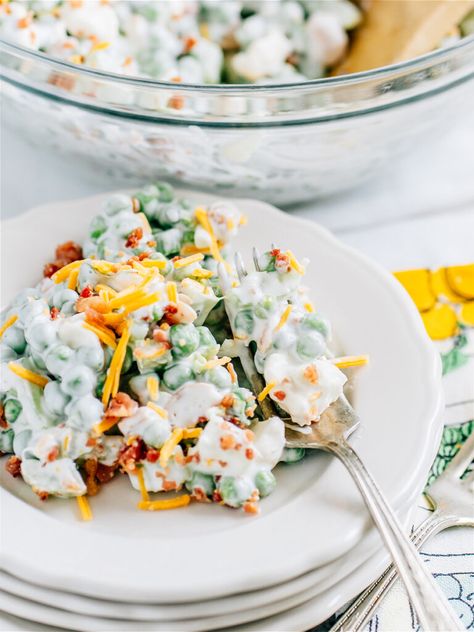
x=112, y=362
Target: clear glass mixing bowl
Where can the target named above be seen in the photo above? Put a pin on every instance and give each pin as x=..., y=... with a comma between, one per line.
x=282, y=143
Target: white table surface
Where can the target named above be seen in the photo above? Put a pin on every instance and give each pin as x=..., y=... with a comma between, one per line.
x=420, y=212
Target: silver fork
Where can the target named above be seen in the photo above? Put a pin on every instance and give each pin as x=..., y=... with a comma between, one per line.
x=453, y=500
x=330, y=433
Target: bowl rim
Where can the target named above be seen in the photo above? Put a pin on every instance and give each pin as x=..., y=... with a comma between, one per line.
x=248, y=89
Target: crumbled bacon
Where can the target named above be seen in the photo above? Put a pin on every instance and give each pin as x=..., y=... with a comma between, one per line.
x=86, y=292
x=311, y=374
x=227, y=442
x=105, y=473
x=249, y=454
x=152, y=455
x=65, y=253
x=54, y=313
x=95, y=303
x=200, y=495
x=189, y=44
x=41, y=494
x=130, y=454
x=3, y=421
x=13, y=466
x=216, y=496
x=134, y=238
x=275, y=252
x=122, y=405
x=97, y=474
x=170, y=314
x=159, y=335
x=280, y=395
x=169, y=486
x=251, y=508
x=227, y=401
x=53, y=454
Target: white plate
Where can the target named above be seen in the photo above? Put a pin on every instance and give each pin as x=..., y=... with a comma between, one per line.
x=206, y=552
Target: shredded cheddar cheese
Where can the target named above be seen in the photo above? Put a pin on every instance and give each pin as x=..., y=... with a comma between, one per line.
x=104, y=425
x=200, y=273
x=99, y=46
x=158, y=409
x=152, y=386
x=345, y=362
x=105, y=337
x=233, y=374
x=172, y=292
x=187, y=261
x=284, y=317
x=113, y=374
x=167, y=503
x=210, y=364
x=84, y=508
x=294, y=263
x=62, y=274
x=154, y=263
x=8, y=323
x=141, y=485
x=309, y=307
x=203, y=219
x=26, y=374
x=72, y=280
x=191, y=433
x=261, y=396
x=169, y=446
x=143, y=302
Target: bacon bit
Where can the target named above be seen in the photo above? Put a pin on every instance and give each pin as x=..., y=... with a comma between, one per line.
x=275, y=252
x=134, y=238
x=249, y=454
x=311, y=374
x=152, y=455
x=280, y=395
x=176, y=102
x=54, y=313
x=223, y=463
x=227, y=401
x=216, y=496
x=200, y=495
x=90, y=468
x=86, y=292
x=105, y=473
x=202, y=420
x=227, y=442
x=152, y=244
x=160, y=336
x=93, y=303
x=122, y=405
x=41, y=495
x=132, y=453
x=65, y=253
x=170, y=486
x=91, y=442
x=24, y=23
x=13, y=466
x=189, y=44
x=233, y=374
x=251, y=508
x=53, y=454
x=249, y=435
x=170, y=312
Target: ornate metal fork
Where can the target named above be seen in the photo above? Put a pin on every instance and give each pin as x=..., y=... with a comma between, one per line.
x=330, y=433
x=453, y=500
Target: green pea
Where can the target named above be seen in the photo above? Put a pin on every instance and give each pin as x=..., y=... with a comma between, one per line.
x=184, y=340
x=78, y=381
x=204, y=482
x=310, y=345
x=243, y=322
x=219, y=376
x=6, y=441
x=165, y=191
x=99, y=389
x=97, y=227
x=311, y=321
x=54, y=399
x=234, y=491
x=176, y=376
x=12, y=410
x=15, y=339
x=168, y=241
x=58, y=359
x=265, y=482
x=118, y=203
x=292, y=455
x=207, y=343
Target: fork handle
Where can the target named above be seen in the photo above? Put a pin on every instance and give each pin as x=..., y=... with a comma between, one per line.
x=431, y=606
x=364, y=607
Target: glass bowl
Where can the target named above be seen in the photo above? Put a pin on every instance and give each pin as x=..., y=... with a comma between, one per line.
x=282, y=143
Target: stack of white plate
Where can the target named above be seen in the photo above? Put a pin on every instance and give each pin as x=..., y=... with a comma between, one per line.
x=205, y=567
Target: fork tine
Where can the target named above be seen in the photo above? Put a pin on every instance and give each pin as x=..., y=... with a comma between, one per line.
x=240, y=266
x=224, y=280
x=463, y=458
x=256, y=257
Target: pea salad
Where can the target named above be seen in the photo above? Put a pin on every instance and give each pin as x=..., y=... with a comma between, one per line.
x=122, y=359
